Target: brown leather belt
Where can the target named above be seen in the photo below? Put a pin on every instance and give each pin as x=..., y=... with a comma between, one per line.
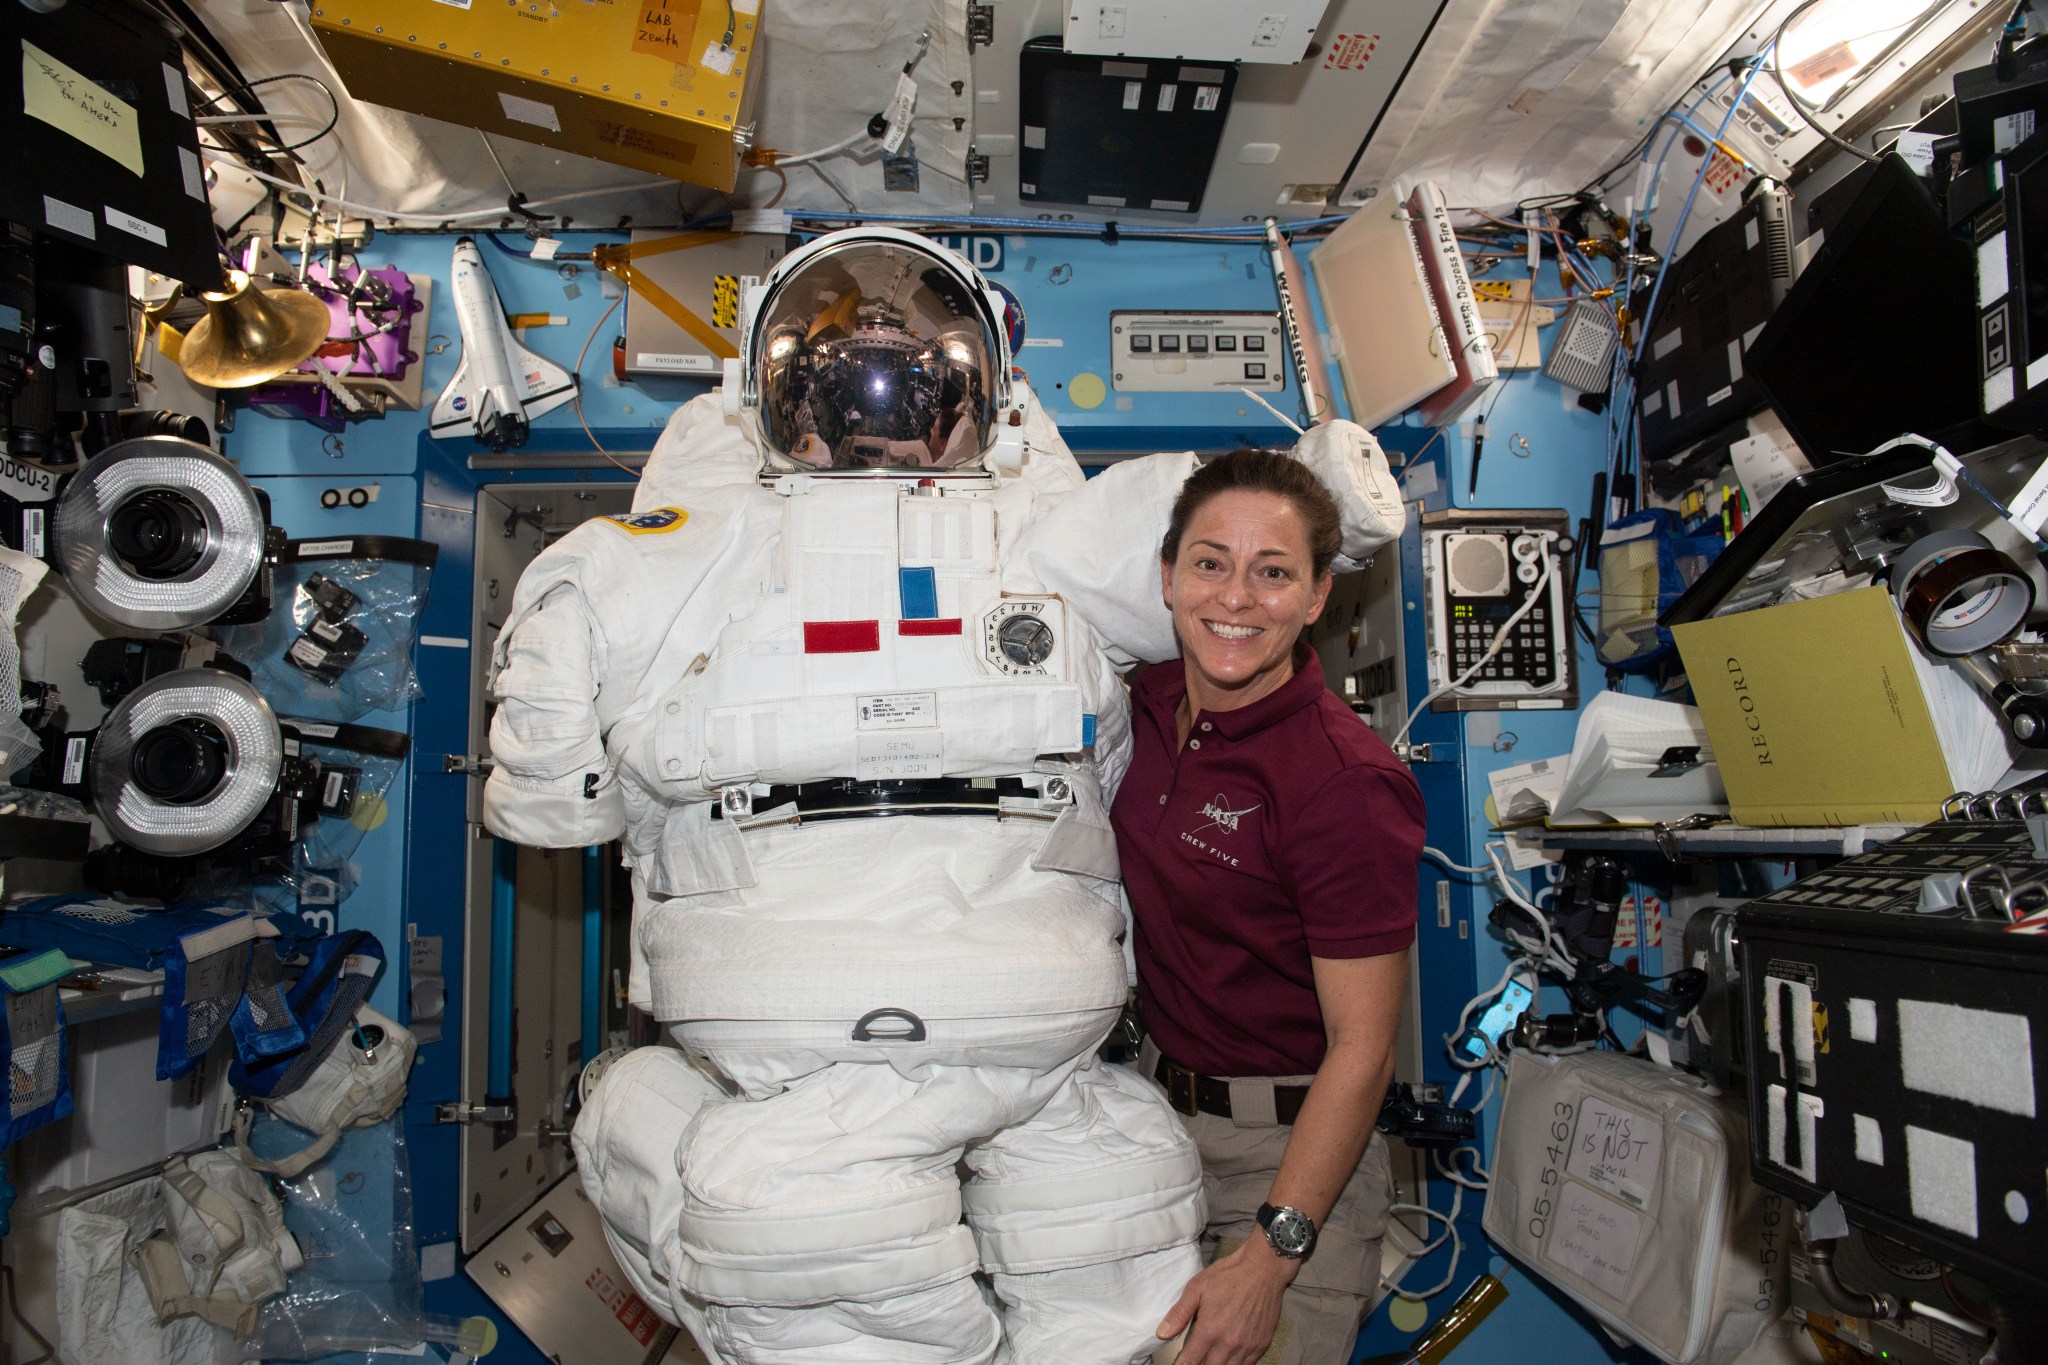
x=1191, y=1093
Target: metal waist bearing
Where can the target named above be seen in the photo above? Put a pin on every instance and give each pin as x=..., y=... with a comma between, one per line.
x=1959, y=593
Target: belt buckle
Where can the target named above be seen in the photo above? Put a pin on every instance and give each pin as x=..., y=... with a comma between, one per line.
x=1183, y=1089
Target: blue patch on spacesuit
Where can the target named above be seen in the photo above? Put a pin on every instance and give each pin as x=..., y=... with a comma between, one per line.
x=649, y=523
x=1088, y=729
x=919, y=591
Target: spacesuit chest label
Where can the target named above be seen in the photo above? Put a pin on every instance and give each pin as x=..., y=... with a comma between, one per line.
x=898, y=754
x=898, y=711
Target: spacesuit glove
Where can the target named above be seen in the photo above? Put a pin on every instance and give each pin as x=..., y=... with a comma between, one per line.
x=1351, y=465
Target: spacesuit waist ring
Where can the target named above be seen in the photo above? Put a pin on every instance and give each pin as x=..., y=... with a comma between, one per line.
x=847, y=799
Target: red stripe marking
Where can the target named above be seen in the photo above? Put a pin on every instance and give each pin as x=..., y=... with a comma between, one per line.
x=842, y=637
x=949, y=625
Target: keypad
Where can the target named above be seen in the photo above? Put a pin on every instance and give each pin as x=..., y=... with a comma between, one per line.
x=1525, y=656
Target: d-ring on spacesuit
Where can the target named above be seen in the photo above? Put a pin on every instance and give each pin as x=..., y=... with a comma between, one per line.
x=917, y=610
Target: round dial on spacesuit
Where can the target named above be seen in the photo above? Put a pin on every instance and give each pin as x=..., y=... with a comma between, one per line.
x=1021, y=636
x=1025, y=641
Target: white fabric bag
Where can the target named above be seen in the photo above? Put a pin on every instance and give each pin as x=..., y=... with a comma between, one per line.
x=103, y=1313
x=1626, y=1185
x=225, y=1248
x=353, y=1087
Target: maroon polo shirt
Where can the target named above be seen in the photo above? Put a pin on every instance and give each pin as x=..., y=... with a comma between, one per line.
x=1283, y=830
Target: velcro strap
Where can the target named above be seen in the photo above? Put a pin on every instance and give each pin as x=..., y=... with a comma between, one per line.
x=287, y=1167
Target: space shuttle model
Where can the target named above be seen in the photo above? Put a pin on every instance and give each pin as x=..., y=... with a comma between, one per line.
x=500, y=386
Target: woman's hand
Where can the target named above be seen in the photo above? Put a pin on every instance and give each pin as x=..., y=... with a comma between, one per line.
x=1234, y=1304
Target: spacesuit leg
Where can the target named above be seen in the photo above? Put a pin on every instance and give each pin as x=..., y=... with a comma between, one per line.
x=823, y=1224
x=1086, y=1217
x=625, y=1142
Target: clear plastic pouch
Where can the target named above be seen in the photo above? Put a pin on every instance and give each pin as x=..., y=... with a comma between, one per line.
x=352, y=1214
x=338, y=642
x=357, y=765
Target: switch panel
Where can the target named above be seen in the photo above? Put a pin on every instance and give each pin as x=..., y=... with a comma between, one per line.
x=1170, y=352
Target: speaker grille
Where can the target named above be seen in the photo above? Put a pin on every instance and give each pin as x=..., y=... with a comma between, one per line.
x=1477, y=566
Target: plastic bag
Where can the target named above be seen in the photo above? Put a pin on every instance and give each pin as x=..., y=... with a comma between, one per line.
x=338, y=643
x=1646, y=563
x=358, y=764
x=352, y=1215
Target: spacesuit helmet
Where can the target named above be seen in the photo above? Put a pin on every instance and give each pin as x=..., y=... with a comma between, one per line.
x=874, y=349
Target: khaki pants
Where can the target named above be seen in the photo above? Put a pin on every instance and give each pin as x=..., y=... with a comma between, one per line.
x=1340, y=1283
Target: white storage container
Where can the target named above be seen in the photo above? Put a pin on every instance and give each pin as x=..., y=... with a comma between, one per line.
x=1626, y=1185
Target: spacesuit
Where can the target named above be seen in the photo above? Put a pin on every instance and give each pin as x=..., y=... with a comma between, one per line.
x=845, y=681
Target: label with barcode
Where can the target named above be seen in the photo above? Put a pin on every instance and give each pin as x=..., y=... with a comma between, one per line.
x=74, y=760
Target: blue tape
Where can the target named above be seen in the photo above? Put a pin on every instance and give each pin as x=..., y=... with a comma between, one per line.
x=919, y=590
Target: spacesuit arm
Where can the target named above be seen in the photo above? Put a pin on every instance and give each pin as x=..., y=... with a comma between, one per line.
x=552, y=785
x=1097, y=545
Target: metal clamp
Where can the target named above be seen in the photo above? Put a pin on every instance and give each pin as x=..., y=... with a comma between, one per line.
x=469, y=765
x=459, y=1112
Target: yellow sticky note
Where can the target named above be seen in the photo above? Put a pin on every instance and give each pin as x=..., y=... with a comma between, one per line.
x=67, y=100
x=665, y=28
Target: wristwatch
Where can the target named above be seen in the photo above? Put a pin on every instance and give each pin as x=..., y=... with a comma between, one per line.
x=1290, y=1232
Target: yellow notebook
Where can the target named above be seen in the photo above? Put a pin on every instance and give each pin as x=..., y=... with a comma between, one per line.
x=1819, y=713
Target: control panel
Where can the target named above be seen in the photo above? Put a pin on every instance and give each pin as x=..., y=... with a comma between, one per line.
x=1498, y=576
x=1181, y=352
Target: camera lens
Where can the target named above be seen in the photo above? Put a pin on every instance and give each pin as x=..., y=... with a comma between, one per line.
x=180, y=763
x=158, y=533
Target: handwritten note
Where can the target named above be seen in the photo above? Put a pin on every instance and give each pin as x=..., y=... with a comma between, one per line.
x=666, y=29
x=1616, y=1150
x=1594, y=1238
x=71, y=103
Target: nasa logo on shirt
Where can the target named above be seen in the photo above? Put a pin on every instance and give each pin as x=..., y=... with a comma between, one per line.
x=1219, y=818
x=657, y=521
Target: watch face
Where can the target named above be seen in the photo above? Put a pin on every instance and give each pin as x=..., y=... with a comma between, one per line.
x=1291, y=1233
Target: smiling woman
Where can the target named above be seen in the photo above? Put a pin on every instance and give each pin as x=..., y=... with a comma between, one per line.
x=1245, y=568
x=1268, y=840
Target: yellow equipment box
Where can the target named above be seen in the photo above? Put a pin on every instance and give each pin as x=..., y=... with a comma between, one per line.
x=659, y=85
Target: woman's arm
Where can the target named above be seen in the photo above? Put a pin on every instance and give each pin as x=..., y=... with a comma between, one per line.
x=1235, y=1303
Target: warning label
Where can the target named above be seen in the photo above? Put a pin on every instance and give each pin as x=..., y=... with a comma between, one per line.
x=1722, y=172
x=629, y=1308
x=1350, y=51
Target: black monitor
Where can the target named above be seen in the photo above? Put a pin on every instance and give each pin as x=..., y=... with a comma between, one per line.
x=1694, y=382
x=1878, y=335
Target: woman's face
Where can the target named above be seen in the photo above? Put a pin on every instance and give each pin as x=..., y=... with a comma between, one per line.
x=1240, y=591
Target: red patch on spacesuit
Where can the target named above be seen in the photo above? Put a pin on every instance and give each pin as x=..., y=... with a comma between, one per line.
x=842, y=637
x=947, y=626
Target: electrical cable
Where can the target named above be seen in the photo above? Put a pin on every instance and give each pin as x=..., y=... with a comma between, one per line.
x=1445, y=859
x=397, y=216
x=577, y=399
x=1450, y=1222
x=333, y=107
x=1798, y=101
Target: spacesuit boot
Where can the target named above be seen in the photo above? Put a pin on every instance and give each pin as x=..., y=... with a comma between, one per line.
x=856, y=719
